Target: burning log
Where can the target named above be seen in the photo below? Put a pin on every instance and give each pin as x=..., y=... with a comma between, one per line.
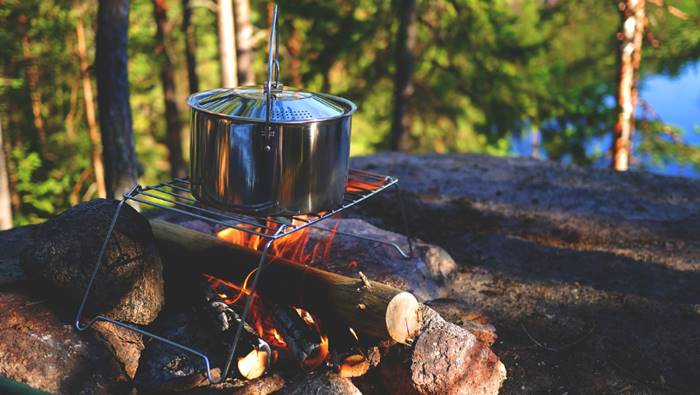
x=304, y=342
x=254, y=353
x=369, y=307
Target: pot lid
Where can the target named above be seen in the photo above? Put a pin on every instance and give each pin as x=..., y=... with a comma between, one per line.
x=289, y=105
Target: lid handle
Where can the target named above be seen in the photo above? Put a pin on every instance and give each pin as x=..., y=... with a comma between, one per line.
x=274, y=36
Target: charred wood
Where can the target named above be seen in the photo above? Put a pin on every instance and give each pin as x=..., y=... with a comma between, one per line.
x=303, y=341
x=253, y=353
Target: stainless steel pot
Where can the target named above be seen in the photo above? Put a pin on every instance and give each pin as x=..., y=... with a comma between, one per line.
x=269, y=149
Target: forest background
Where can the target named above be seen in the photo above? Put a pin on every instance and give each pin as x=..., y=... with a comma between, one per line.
x=503, y=77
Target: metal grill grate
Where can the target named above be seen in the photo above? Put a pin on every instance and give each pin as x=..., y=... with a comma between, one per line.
x=175, y=196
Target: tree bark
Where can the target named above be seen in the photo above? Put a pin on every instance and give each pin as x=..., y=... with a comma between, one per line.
x=188, y=29
x=244, y=44
x=632, y=26
x=90, y=113
x=173, y=125
x=227, y=43
x=402, y=120
x=294, y=49
x=5, y=200
x=113, y=97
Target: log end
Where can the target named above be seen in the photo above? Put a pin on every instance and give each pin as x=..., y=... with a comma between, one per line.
x=353, y=366
x=254, y=364
x=403, y=318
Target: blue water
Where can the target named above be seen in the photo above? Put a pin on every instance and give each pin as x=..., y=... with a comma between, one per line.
x=676, y=101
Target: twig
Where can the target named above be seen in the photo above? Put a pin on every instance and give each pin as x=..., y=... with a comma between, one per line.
x=560, y=348
x=365, y=281
x=35, y=302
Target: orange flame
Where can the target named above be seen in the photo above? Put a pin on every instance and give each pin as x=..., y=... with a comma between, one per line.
x=297, y=246
x=357, y=186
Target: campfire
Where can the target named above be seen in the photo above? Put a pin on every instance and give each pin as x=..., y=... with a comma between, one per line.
x=288, y=331
x=197, y=297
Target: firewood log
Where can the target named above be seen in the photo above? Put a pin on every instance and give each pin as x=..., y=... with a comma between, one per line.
x=253, y=353
x=302, y=340
x=369, y=307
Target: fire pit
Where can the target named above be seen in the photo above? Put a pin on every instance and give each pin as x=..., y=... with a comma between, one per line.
x=289, y=327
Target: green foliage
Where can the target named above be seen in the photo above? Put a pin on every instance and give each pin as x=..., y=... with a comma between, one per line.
x=486, y=71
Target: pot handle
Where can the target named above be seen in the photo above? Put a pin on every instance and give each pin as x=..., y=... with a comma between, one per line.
x=271, y=83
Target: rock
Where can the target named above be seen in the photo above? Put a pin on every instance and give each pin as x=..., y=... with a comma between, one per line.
x=445, y=359
x=13, y=243
x=126, y=345
x=262, y=386
x=426, y=274
x=163, y=368
x=465, y=316
x=129, y=285
x=602, y=264
x=320, y=382
x=38, y=349
x=541, y=201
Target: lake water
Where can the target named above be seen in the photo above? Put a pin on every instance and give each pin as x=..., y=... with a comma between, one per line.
x=676, y=101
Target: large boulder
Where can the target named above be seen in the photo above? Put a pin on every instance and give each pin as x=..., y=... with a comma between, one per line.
x=128, y=285
x=38, y=349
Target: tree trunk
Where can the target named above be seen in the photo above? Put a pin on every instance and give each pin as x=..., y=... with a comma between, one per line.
x=173, y=125
x=632, y=26
x=535, y=141
x=227, y=43
x=31, y=72
x=294, y=50
x=113, y=96
x=244, y=37
x=5, y=201
x=190, y=46
x=90, y=114
x=403, y=86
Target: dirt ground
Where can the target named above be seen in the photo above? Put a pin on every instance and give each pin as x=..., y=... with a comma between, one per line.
x=591, y=278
